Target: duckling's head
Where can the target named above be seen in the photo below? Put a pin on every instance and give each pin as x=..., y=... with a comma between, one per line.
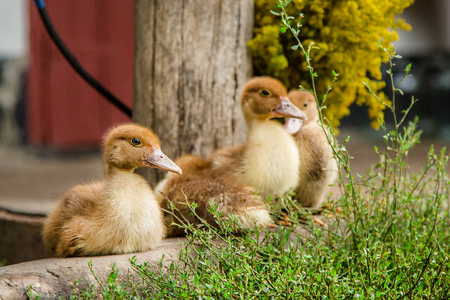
x=129, y=146
x=265, y=98
x=306, y=102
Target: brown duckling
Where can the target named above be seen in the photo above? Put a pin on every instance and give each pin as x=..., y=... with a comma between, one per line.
x=318, y=166
x=204, y=185
x=269, y=159
x=119, y=214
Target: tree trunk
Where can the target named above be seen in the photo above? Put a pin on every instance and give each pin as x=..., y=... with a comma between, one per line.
x=191, y=60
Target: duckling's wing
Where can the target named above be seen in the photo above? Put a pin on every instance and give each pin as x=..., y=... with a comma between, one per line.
x=212, y=186
x=78, y=203
x=81, y=200
x=318, y=167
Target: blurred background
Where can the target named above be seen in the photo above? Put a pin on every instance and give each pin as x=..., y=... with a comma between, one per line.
x=43, y=103
x=427, y=47
x=51, y=121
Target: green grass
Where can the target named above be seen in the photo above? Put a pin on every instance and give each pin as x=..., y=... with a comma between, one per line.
x=373, y=254
x=387, y=236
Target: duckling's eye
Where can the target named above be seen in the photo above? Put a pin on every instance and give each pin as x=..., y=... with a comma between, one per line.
x=265, y=93
x=136, y=142
x=305, y=105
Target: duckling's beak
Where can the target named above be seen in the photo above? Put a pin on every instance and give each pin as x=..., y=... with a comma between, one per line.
x=295, y=118
x=288, y=109
x=160, y=161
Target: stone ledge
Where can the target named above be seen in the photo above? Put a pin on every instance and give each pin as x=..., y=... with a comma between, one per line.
x=54, y=277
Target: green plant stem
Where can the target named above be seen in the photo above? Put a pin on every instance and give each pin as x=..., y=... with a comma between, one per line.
x=343, y=161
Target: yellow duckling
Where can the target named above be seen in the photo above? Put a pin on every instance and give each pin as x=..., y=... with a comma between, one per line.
x=269, y=160
x=119, y=214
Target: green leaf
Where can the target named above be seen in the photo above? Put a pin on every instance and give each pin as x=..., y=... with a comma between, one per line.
x=275, y=13
x=295, y=47
x=408, y=67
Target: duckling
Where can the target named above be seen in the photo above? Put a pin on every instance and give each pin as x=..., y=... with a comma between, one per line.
x=318, y=165
x=205, y=186
x=119, y=214
x=269, y=160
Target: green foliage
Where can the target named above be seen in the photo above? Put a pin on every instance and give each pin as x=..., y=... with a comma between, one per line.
x=31, y=293
x=113, y=289
x=346, y=32
x=373, y=253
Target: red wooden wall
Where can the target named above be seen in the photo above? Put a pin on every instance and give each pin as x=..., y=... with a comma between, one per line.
x=63, y=111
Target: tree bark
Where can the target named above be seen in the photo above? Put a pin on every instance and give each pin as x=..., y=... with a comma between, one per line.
x=191, y=60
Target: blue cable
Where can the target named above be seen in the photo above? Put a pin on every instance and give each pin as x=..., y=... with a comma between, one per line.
x=39, y=4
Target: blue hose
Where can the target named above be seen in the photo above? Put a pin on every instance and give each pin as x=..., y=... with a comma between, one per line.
x=39, y=4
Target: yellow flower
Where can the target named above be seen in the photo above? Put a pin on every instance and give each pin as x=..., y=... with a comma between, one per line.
x=346, y=33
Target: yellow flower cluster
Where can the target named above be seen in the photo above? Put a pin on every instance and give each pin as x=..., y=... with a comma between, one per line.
x=347, y=35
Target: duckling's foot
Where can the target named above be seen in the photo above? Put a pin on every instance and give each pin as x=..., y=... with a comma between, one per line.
x=320, y=222
x=284, y=223
x=270, y=226
x=284, y=219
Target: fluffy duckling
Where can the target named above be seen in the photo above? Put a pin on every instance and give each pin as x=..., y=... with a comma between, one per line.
x=318, y=166
x=204, y=185
x=119, y=214
x=269, y=160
